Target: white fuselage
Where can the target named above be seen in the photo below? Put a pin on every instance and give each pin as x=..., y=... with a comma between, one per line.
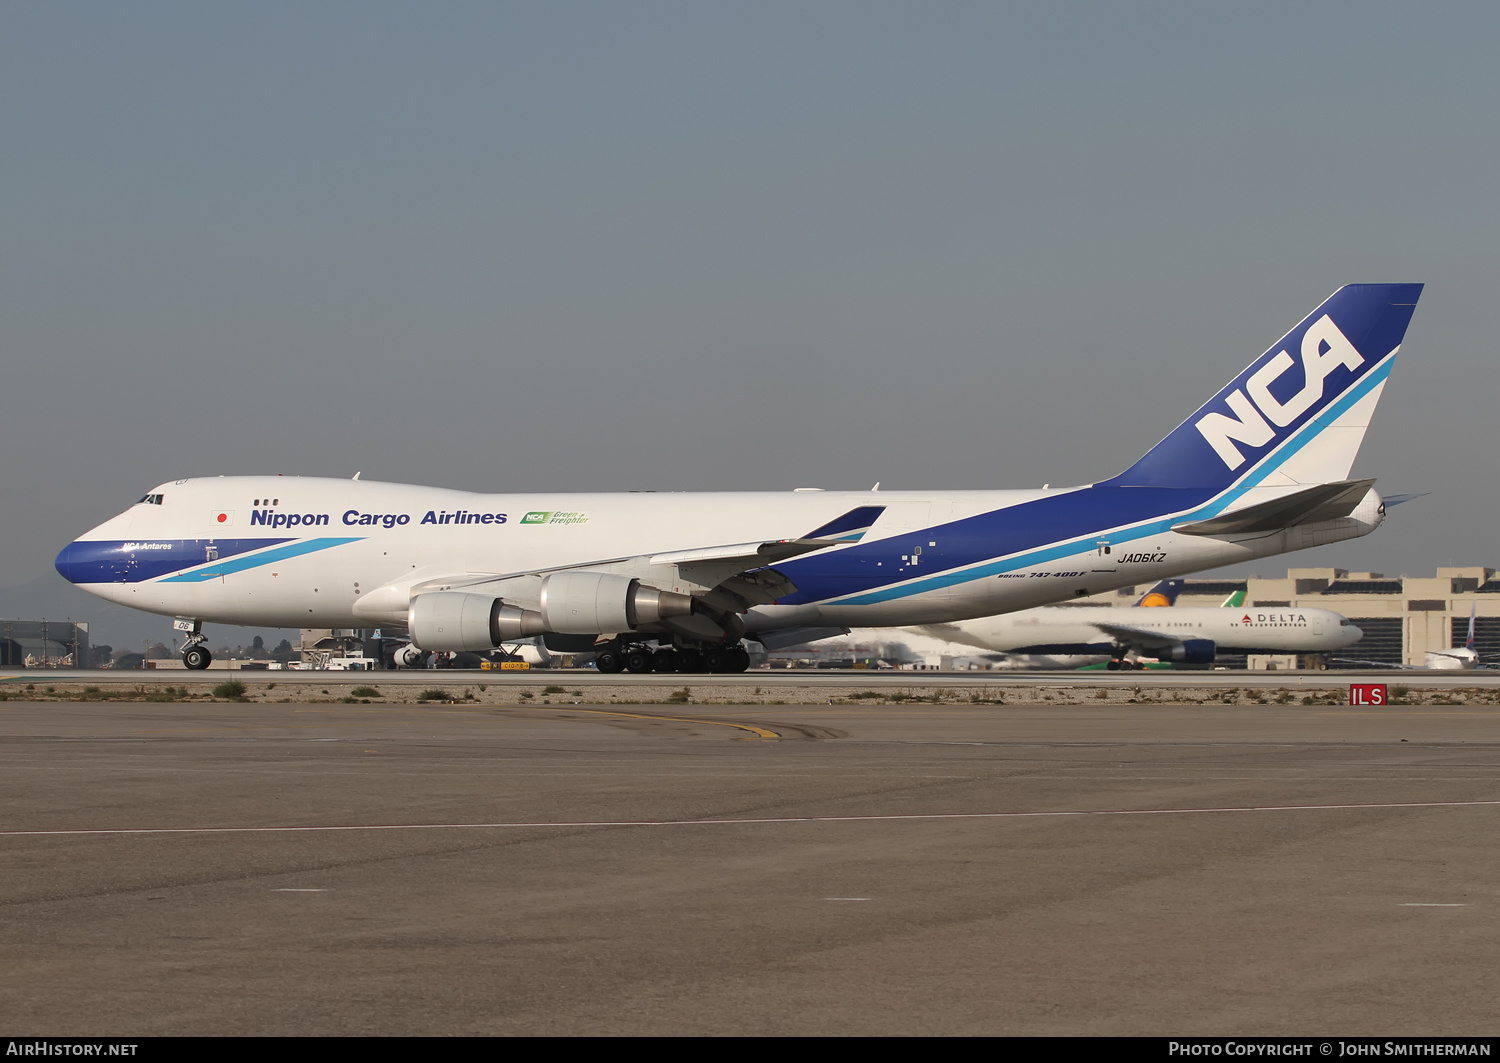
x=310, y=552
x=1077, y=629
x=1458, y=659
x=1071, y=636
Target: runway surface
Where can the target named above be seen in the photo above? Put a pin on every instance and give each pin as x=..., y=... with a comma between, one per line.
x=939, y=868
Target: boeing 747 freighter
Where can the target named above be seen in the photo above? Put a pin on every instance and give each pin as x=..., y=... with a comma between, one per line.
x=676, y=581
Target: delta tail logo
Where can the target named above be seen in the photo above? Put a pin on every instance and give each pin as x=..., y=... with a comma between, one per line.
x=1324, y=348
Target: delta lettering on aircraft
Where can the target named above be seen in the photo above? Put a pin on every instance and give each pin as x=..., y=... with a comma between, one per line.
x=1323, y=348
x=1274, y=618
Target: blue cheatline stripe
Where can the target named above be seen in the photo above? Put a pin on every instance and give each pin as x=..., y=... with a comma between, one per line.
x=1273, y=461
x=214, y=569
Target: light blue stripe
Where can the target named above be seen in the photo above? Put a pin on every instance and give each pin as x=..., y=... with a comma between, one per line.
x=215, y=569
x=1273, y=461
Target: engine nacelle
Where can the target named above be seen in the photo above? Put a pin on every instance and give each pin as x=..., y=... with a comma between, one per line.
x=1192, y=651
x=408, y=656
x=587, y=603
x=456, y=620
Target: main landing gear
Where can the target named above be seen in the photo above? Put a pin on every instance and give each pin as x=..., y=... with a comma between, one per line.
x=640, y=659
x=195, y=654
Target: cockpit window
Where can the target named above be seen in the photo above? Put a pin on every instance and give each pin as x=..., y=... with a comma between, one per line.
x=150, y=500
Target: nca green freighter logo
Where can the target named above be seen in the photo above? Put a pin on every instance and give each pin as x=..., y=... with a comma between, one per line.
x=554, y=516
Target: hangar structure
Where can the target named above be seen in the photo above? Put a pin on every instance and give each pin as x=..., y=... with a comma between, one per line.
x=44, y=644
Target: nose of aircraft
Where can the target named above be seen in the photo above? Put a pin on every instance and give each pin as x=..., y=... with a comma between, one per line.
x=84, y=562
x=1352, y=634
x=67, y=562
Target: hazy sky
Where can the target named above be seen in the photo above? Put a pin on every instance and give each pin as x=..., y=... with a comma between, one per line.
x=692, y=245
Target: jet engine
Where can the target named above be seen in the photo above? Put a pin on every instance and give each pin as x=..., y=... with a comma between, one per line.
x=1191, y=651
x=456, y=620
x=408, y=656
x=586, y=603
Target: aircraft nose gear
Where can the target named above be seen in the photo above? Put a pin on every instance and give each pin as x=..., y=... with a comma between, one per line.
x=195, y=655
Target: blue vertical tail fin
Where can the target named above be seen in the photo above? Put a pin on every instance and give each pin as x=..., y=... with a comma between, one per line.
x=1298, y=413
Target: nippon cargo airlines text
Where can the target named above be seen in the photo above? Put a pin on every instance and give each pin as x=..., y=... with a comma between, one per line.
x=689, y=582
x=354, y=518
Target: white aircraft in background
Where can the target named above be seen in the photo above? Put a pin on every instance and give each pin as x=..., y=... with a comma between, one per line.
x=1122, y=635
x=676, y=581
x=1075, y=636
x=1457, y=658
x=1462, y=657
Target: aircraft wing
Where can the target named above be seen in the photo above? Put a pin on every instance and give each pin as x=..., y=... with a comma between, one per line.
x=722, y=580
x=706, y=569
x=1141, y=637
x=1308, y=506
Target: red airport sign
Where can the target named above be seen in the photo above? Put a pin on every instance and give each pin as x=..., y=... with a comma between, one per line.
x=1367, y=694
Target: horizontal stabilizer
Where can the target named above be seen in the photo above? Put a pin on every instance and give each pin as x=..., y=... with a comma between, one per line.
x=1308, y=506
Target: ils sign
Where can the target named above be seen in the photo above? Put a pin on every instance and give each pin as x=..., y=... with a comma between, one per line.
x=1367, y=694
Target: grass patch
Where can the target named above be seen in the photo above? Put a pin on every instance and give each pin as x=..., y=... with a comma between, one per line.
x=435, y=694
x=364, y=692
x=231, y=689
x=553, y=690
x=680, y=697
